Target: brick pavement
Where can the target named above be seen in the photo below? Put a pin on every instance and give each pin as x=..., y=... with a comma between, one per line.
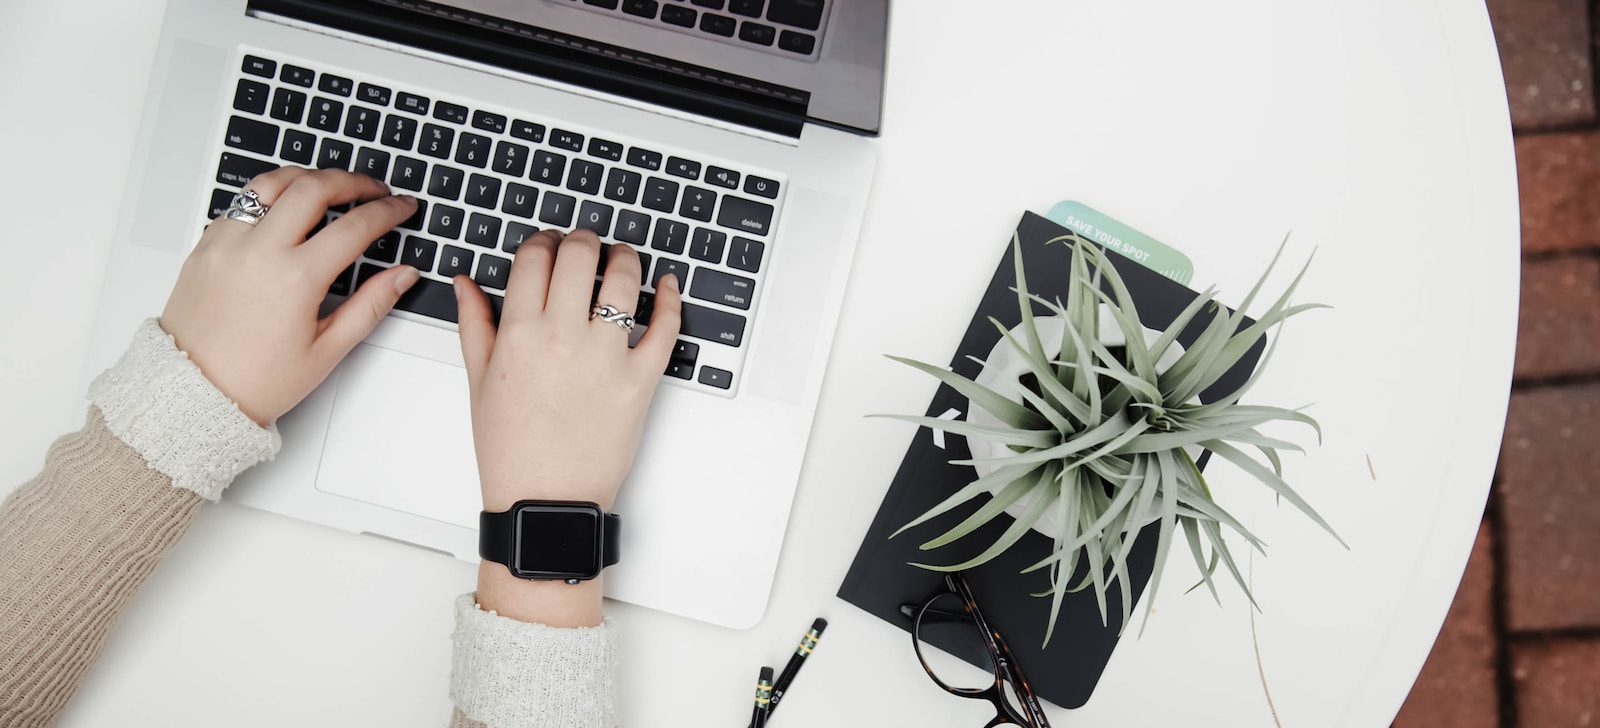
x=1521, y=645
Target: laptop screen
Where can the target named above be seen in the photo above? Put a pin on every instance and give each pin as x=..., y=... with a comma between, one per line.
x=768, y=64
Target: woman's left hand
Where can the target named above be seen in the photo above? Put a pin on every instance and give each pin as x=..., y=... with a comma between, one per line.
x=246, y=304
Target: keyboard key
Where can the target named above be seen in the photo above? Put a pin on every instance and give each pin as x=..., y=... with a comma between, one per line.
x=445, y=182
x=446, y=221
x=489, y=122
x=564, y=139
x=697, y=203
x=510, y=158
x=722, y=177
x=746, y=254
x=335, y=155
x=251, y=135
x=714, y=377
x=724, y=288
x=415, y=221
x=747, y=8
x=519, y=200
x=372, y=163
x=386, y=248
x=632, y=227
x=408, y=173
x=288, y=105
x=338, y=85
x=666, y=265
x=250, y=96
x=686, y=351
x=483, y=191
x=483, y=230
x=641, y=8
x=428, y=297
x=547, y=167
x=797, y=42
x=436, y=140
x=678, y=15
x=623, y=185
x=220, y=201
x=718, y=24
x=375, y=95
x=473, y=149
x=399, y=131
x=341, y=284
x=757, y=33
x=595, y=216
x=605, y=149
x=644, y=158
x=607, y=4
x=362, y=123
x=412, y=103
x=738, y=213
x=455, y=262
x=557, y=209
x=713, y=4
x=671, y=236
x=712, y=325
x=516, y=232
x=419, y=253
x=493, y=272
x=707, y=245
x=585, y=177
x=799, y=13
x=660, y=194
x=761, y=186
x=679, y=369
x=455, y=113
x=258, y=66
x=238, y=171
x=680, y=167
x=527, y=130
x=325, y=114
x=297, y=75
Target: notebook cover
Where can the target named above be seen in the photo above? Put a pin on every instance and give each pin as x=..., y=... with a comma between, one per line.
x=880, y=579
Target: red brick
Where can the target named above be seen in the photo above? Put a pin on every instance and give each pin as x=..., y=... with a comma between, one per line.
x=1558, y=176
x=1544, y=53
x=1558, y=683
x=1549, y=498
x=1558, y=331
x=1457, y=687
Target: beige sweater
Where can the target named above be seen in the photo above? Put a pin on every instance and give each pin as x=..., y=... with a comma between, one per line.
x=78, y=540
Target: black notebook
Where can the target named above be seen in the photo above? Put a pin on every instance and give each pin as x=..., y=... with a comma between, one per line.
x=880, y=579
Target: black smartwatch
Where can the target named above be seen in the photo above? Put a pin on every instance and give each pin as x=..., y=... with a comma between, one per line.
x=555, y=540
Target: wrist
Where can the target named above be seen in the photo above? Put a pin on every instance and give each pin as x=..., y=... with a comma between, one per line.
x=551, y=603
x=500, y=494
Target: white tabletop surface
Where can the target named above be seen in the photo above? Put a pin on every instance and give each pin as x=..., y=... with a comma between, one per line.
x=1375, y=130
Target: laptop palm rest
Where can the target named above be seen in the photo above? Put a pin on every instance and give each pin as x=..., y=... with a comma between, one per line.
x=400, y=437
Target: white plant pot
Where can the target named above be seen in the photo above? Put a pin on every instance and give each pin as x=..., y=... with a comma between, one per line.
x=1002, y=372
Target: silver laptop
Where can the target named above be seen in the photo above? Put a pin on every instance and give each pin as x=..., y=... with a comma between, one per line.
x=725, y=140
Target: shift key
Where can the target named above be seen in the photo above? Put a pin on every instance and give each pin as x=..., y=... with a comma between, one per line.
x=712, y=325
x=723, y=288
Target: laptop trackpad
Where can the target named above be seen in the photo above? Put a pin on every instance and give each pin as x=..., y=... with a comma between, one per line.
x=401, y=437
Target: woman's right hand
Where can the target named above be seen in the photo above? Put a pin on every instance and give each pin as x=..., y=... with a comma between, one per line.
x=558, y=399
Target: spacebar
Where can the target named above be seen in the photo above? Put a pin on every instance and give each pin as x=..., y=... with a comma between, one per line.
x=437, y=299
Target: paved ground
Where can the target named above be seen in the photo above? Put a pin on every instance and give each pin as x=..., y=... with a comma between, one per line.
x=1521, y=647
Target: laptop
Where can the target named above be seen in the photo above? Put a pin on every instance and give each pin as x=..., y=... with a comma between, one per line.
x=727, y=141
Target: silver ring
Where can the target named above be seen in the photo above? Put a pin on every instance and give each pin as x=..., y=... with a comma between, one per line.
x=246, y=207
x=608, y=312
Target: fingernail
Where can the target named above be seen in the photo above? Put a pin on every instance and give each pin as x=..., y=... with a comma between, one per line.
x=457, y=285
x=411, y=198
x=671, y=281
x=408, y=277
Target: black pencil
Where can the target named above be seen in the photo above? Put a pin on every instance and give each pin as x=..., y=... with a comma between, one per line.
x=808, y=643
x=763, y=698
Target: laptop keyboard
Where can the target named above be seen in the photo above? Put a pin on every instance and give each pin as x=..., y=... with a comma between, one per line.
x=790, y=28
x=487, y=178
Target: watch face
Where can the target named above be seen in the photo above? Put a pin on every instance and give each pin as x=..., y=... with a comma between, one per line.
x=558, y=541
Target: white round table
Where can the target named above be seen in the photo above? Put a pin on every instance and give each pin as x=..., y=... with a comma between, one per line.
x=1376, y=131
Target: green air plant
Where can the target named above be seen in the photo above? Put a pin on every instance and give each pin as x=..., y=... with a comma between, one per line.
x=1104, y=438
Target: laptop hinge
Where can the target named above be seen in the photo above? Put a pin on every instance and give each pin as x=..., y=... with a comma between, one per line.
x=564, y=59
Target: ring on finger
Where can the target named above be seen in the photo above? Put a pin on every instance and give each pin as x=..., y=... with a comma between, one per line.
x=612, y=314
x=247, y=208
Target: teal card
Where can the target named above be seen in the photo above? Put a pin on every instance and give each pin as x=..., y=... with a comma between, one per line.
x=1130, y=243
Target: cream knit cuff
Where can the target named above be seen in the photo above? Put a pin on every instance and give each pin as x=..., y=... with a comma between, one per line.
x=511, y=674
x=161, y=405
